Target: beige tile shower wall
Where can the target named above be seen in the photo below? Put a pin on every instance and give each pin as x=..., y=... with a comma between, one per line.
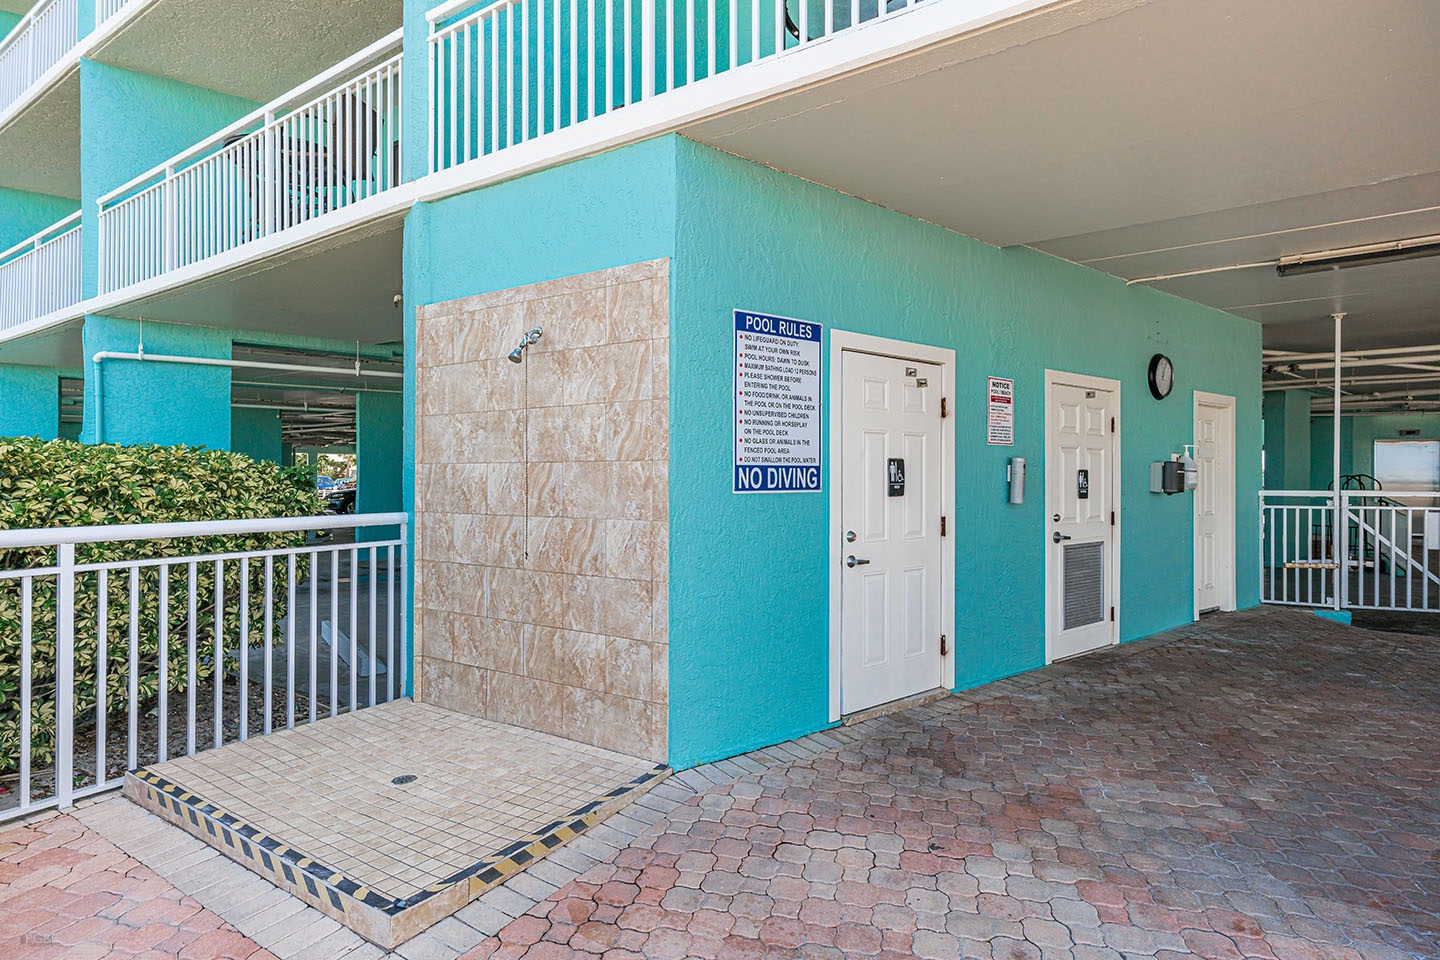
x=542, y=526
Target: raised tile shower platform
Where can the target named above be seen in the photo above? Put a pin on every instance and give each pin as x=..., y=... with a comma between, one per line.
x=392, y=818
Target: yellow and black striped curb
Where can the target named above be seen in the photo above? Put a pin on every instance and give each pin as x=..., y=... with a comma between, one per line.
x=273, y=858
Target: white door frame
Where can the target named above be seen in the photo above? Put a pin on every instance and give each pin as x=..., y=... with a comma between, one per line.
x=840, y=341
x=1227, y=600
x=1052, y=557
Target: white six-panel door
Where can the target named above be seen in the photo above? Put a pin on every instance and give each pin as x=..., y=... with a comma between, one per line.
x=1081, y=514
x=1214, y=502
x=892, y=577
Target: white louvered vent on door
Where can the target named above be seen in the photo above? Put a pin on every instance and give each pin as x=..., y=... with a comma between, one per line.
x=1083, y=572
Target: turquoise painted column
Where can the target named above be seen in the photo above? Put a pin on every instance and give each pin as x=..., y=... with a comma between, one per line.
x=379, y=452
x=1287, y=440
x=129, y=401
x=29, y=402
x=256, y=433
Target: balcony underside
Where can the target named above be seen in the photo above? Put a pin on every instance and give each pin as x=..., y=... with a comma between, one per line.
x=285, y=42
x=340, y=287
x=40, y=140
x=1145, y=139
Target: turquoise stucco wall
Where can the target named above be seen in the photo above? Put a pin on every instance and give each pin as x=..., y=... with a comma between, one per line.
x=31, y=405
x=1361, y=433
x=1287, y=440
x=379, y=452
x=255, y=433
x=1322, y=450
x=161, y=403
x=747, y=668
x=749, y=644
x=24, y=214
x=129, y=123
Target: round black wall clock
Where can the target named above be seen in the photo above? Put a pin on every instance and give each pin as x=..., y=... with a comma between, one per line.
x=1162, y=376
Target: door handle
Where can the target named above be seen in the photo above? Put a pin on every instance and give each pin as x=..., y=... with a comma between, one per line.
x=850, y=561
x=1057, y=537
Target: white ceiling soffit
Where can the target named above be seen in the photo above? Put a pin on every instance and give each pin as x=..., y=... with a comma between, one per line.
x=342, y=287
x=1153, y=138
x=257, y=49
x=59, y=346
x=40, y=146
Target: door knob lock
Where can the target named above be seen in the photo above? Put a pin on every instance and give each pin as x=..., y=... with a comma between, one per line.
x=850, y=561
x=1058, y=536
x=849, y=536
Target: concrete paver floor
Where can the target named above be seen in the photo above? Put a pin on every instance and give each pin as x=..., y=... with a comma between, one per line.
x=1260, y=784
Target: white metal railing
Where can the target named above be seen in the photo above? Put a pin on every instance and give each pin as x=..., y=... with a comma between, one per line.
x=1392, y=550
x=105, y=9
x=42, y=274
x=36, y=44
x=515, y=70
x=1388, y=555
x=110, y=664
x=1297, y=563
x=329, y=143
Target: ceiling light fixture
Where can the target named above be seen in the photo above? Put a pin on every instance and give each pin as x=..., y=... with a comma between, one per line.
x=1388, y=252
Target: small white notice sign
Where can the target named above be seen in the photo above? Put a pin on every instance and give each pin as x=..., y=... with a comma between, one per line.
x=1000, y=418
x=777, y=404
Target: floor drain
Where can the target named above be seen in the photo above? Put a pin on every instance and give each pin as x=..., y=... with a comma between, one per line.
x=404, y=778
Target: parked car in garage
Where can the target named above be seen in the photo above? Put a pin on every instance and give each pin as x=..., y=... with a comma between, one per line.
x=340, y=500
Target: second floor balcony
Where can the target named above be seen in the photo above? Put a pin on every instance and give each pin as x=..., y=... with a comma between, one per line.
x=38, y=42
x=41, y=275
x=330, y=143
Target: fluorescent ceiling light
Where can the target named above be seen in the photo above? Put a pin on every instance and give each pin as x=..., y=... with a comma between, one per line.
x=1412, y=249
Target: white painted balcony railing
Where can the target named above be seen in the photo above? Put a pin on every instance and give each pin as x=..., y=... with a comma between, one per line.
x=109, y=665
x=325, y=145
x=516, y=70
x=42, y=274
x=36, y=44
x=105, y=9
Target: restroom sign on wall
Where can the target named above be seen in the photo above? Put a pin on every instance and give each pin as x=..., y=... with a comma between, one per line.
x=777, y=404
x=1000, y=419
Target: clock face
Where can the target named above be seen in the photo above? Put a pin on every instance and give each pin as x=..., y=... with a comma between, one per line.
x=1162, y=376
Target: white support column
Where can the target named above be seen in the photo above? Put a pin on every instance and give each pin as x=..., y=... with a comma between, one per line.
x=65, y=675
x=1342, y=565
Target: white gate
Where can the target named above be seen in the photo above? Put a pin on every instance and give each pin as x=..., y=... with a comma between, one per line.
x=1388, y=556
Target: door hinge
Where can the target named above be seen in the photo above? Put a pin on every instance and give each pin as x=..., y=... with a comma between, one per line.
x=1112, y=518
x=944, y=646
x=942, y=526
x=944, y=409
x=1112, y=613
x=1112, y=424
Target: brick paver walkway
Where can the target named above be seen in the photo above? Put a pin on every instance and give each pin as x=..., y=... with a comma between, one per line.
x=65, y=891
x=1264, y=784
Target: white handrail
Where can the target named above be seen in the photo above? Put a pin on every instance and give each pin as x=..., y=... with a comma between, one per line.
x=50, y=536
x=511, y=71
x=35, y=44
x=299, y=157
x=41, y=274
x=312, y=89
x=40, y=238
x=86, y=633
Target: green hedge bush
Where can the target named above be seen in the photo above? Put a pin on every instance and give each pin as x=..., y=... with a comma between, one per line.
x=61, y=483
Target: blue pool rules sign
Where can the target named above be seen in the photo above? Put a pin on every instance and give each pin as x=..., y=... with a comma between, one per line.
x=777, y=404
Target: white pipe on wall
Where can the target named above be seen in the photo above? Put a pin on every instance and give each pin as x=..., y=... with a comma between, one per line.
x=143, y=357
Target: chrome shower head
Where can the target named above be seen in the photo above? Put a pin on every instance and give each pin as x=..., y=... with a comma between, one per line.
x=518, y=353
